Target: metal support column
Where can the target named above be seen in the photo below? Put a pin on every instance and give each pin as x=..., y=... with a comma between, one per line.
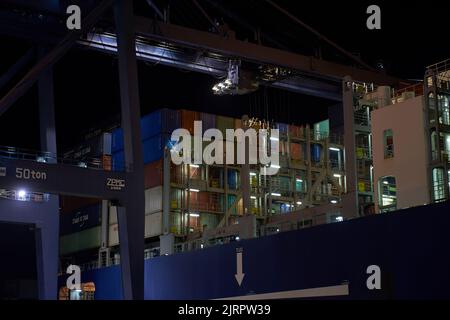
x=166, y=192
x=131, y=220
x=350, y=202
x=47, y=230
x=245, y=171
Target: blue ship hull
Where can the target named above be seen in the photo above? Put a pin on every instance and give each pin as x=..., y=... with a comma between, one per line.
x=410, y=246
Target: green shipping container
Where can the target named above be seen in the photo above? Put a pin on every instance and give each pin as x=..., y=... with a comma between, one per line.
x=79, y=241
x=210, y=220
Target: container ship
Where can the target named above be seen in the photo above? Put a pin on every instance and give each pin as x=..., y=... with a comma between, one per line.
x=356, y=208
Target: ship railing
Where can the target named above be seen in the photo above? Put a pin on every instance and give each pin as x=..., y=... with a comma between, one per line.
x=48, y=157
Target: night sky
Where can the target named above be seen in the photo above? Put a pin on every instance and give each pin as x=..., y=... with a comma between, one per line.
x=86, y=83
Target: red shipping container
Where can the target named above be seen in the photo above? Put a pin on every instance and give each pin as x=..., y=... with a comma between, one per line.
x=187, y=119
x=153, y=174
x=296, y=151
x=295, y=131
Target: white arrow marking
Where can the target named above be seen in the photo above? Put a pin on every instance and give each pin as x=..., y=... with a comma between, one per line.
x=239, y=275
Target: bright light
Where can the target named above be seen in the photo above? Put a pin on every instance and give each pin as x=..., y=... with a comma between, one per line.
x=194, y=166
x=335, y=149
x=41, y=159
x=299, y=203
x=201, y=245
x=253, y=174
x=253, y=197
x=195, y=215
x=275, y=166
x=299, y=180
x=194, y=190
x=237, y=238
x=82, y=165
x=385, y=182
x=276, y=194
x=333, y=201
x=278, y=230
x=274, y=139
x=337, y=175
x=339, y=219
x=22, y=193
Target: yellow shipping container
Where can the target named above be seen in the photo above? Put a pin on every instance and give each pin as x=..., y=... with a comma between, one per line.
x=361, y=186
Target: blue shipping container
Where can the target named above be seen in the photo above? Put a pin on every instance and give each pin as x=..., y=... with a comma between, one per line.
x=316, y=150
x=81, y=219
x=232, y=179
x=152, y=150
x=159, y=122
x=282, y=127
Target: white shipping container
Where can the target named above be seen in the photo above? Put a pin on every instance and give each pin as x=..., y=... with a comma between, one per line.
x=113, y=235
x=153, y=224
x=112, y=215
x=153, y=200
x=153, y=228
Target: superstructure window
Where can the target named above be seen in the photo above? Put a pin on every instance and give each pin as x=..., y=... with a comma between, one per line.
x=431, y=108
x=388, y=143
x=444, y=115
x=438, y=184
x=387, y=187
x=434, y=146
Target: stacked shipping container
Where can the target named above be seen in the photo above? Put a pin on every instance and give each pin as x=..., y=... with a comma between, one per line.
x=199, y=196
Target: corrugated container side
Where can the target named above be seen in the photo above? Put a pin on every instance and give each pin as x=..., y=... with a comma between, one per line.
x=175, y=198
x=187, y=118
x=171, y=120
x=282, y=127
x=231, y=199
x=153, y=148
x=112, y=215
x=118, y=161
x=316, y=152
x=296, y=151
x=223, y=123
x=153, y=224
x=153, y=200
x=153, y=174
x=80, y=219
x=69, y=204
x=79, y=241
x=113, y=235
x=163, y=121
x=232, y=179
x=117, y=140
x=208, y=121
x=175, y=223
x=285, y=183
x=295, y=131
x=209, y=221
x=107, y=162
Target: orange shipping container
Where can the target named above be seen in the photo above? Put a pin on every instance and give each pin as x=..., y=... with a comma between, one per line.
x=295, y=131
x=153, y=174
x=187, y=119
x=106, y=162
x=296, y=151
